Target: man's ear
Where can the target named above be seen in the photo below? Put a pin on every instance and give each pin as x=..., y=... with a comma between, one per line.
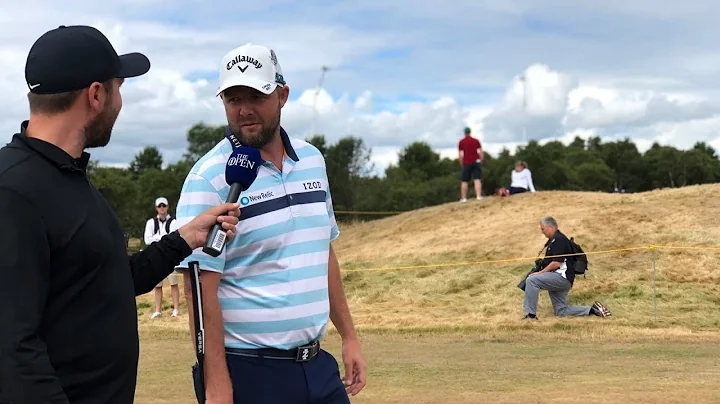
x=284, y=94
x=97, y=97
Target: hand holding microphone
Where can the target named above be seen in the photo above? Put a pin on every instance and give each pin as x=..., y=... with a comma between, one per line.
x=224, y=216
x=240, y=172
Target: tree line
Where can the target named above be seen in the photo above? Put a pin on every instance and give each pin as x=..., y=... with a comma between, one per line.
x=421, y=177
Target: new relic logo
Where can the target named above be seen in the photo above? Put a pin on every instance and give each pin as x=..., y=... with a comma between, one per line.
x=245, y=200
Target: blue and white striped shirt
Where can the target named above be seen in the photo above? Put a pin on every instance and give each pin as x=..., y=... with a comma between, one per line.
x=274, y=287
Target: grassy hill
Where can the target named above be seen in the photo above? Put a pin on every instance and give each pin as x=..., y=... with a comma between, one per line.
x=484, y=295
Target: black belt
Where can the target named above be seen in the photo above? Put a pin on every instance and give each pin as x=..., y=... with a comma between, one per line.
x=303, y=353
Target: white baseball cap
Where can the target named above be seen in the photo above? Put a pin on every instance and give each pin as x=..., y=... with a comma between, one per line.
x=160, y=200
x=253, y=66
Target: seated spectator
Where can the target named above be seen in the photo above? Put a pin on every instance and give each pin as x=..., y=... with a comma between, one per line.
x=521, y=179
x=557, y=277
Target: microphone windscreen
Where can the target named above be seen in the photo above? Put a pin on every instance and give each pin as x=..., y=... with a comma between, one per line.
x=242, y=166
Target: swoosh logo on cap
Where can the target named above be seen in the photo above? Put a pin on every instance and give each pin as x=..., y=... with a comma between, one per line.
x=33, y=86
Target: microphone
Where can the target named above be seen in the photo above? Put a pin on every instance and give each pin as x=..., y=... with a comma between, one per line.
x=240, y=172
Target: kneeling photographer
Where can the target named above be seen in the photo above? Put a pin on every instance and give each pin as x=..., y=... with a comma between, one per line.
x=555, y=274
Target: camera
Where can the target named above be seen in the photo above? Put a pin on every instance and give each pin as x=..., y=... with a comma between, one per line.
x=536, y=268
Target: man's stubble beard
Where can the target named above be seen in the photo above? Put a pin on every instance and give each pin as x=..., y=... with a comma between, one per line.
x=99, y=130
x=266, y=135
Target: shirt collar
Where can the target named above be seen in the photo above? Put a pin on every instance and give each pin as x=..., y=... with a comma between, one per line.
x=289, y=150
x=54, y=154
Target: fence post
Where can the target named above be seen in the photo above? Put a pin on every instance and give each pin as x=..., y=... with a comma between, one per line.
x=654, y=271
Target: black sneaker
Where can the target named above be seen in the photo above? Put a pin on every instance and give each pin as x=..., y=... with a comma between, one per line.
x=530, y=317
x=600, y=310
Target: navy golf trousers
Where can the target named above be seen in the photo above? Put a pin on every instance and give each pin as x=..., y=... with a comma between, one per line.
x=282, y=381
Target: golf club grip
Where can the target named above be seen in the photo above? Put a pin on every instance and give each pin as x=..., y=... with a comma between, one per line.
x=194, y=268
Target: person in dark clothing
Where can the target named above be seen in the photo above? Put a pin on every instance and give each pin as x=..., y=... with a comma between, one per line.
x=68, y=318
x=556, y=277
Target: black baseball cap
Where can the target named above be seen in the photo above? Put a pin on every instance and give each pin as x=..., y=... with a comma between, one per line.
x=70, y=58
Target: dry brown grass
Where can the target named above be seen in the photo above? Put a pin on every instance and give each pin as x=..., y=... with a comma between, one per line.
x=484, y=296
x=504, y=228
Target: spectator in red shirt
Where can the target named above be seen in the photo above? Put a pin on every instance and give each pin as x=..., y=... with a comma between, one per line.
x=471, y=155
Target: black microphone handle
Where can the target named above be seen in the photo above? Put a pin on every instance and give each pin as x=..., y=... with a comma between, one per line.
x=217, y=236
x=234, y=193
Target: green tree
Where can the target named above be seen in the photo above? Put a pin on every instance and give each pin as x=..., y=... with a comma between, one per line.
x=626, y=163
x=148, y=158
x=319, y=142
x=593, y=176
x=346, y=161
x=709, y=157
x=201, y=139
x=153, y=184
x=119, y=188
x=420, y=161
x=664, y=166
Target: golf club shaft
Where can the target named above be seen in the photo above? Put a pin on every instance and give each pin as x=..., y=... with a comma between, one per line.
x=199, y=326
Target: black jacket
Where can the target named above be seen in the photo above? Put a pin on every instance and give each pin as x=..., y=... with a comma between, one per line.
x=560, y=245
x=68, y=319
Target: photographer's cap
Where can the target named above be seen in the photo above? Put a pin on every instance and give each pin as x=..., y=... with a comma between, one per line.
x=70, y=58
x=252, y=66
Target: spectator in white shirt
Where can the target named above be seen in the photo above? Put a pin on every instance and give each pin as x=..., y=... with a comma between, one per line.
x=155, y=228
x=521, y=179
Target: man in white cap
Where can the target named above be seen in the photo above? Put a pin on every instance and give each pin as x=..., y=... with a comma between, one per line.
x=268, y=296
x=155, y=228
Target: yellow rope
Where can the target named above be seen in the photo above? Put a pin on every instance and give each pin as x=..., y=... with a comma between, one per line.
x=355, y=212
x=499, y=261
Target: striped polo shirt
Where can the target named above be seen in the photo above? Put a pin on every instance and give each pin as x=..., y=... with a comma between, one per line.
x=274, y=287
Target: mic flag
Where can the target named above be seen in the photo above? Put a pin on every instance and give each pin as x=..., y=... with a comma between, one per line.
x=241, y=171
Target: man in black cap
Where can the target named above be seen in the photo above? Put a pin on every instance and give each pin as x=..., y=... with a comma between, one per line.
x=68, y=319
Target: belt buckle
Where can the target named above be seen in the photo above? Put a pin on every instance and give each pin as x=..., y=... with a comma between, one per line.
x=306, y=353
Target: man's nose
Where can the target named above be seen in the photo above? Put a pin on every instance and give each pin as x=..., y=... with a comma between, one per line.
x=244, y=107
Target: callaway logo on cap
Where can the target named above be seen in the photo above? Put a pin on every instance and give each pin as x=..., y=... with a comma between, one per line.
x=252, y=66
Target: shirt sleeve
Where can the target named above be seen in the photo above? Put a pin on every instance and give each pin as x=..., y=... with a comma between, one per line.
x=174, y=225
x=528, y=175
x=196, y=196
x=157, y=261
x=148, y=236
x=334, y=230
x=27, y=375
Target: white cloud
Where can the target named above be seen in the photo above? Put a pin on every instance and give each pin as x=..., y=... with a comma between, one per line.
x=393, y=80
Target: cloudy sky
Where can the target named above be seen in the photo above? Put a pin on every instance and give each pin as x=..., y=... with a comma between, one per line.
x=404, y=70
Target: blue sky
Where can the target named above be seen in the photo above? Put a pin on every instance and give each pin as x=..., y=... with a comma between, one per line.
x=403, y=71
